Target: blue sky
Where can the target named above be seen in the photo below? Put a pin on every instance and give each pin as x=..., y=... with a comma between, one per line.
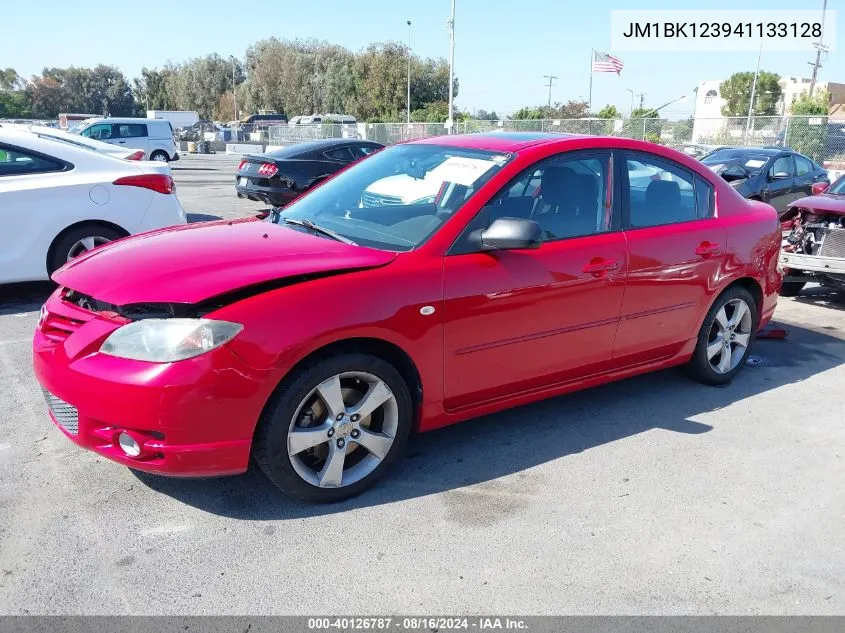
x=503, y=48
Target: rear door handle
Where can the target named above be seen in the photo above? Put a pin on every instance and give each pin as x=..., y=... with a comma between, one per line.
x=706, y=249
x=597, y=266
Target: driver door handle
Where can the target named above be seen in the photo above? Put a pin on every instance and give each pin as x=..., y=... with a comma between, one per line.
x=597, y=266
x=706, y=249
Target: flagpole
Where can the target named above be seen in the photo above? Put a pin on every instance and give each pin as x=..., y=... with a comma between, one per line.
x=592, y=56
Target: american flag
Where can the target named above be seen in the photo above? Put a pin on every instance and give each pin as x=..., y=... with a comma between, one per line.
x=606, y=63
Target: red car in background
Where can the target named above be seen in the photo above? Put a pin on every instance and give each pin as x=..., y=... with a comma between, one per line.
x=814, y=248
x=483, y=272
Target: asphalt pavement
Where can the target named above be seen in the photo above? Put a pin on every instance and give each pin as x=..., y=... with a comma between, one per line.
x=654, y=495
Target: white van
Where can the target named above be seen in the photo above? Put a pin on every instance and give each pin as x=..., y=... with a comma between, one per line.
x=153, y=136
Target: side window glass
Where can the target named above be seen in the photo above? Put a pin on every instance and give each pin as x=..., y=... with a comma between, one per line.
x=132, y=130
x=783, y=165
x=100, y=132
x=803, y=166
x=339, y=153
x=18, y=163
x=659, y=192
x=704, y=198
x=568, y=196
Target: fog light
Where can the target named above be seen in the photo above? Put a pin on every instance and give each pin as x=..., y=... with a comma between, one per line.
x=128, y=444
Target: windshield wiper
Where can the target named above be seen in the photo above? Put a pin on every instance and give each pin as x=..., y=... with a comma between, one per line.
x=308, y=224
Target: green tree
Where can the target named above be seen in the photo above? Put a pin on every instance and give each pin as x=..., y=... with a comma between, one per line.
x=46, y=98
x=484, y=115
x=736, y=91
x=808, y=125
x=14, y=104
x=10, y=80
x=609, y=112
x=569, y=110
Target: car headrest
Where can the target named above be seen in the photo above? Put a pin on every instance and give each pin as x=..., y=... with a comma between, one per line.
x=557, y=183
x=663, y=193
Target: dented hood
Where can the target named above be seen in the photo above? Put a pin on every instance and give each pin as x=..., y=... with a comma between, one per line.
x=827, y=203
x=187, y=264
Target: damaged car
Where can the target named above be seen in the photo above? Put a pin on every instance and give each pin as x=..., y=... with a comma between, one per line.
x=774, y=175
x=814, y=248
x=314, y=342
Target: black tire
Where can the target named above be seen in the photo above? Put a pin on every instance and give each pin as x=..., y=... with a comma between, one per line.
x=699, y=366
x=60, y=251
x=792, y=288
x=159, y=154
x=269, y=449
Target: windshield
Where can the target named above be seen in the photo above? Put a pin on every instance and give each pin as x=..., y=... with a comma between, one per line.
x=837, y=187
x=395, y=199
x=720, y=160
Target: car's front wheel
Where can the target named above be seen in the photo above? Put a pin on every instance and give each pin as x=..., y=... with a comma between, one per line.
x=159, y=156
x=79, y=240
x=725, y=338
x=334, y=427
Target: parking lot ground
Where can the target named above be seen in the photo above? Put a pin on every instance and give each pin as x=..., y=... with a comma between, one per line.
x=654, y=495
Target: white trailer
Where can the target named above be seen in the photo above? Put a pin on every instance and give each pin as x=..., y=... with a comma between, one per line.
x=177, y=118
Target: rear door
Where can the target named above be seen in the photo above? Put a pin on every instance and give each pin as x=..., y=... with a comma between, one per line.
x=676, y=249
x=806, y=175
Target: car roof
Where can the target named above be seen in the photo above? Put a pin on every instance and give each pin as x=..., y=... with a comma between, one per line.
x=760, y=151
x=299, y=149
x=498, y=141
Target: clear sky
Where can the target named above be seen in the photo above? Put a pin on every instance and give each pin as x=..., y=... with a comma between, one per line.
x=502, y=47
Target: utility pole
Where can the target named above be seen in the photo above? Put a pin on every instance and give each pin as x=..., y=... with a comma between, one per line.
x=409, y=72
x=820, y=48
x=234, y=98
x=642, y=99
x=631, y=109
x=753, y=91
x=451, y=25
x=550, y=78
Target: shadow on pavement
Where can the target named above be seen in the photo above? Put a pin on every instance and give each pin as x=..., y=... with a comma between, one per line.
x=24, y=297
x=823, y=296
x=487, y=448
x=202, y=217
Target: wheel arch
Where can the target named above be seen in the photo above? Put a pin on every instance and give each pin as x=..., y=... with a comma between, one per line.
x=751, y=285
x=379, y=347
x=51, y=251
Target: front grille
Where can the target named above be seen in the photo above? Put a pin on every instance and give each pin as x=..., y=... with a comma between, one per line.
x=66, y=414
x=369, y=199
x=833, y=243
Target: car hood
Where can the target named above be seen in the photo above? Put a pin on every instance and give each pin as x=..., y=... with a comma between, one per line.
x=191, y=263
x=829, y=203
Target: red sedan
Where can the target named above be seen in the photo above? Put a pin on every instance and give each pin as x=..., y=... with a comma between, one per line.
x=433, y=282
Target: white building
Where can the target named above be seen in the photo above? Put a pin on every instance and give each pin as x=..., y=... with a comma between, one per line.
x=708, y=105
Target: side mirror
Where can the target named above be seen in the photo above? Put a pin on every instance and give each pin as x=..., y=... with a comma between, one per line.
x=511, y=234
x=819, y=187
x=779, y=175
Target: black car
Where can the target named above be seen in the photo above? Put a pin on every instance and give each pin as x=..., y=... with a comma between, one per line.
x=772, y=174
x=279, y=177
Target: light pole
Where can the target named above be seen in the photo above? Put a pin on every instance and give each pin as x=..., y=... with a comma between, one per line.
x=753, y=91
x=451, y=24
x=631, y=109
x=234, y=98
x=409, y=71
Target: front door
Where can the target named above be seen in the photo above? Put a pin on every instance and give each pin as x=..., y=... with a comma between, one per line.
x=780, y=183
x=676, y=250
x=518, y=320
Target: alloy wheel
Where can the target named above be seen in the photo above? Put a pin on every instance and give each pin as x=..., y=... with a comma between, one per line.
x=730, y=336
x=343, y=429
x=85, y=244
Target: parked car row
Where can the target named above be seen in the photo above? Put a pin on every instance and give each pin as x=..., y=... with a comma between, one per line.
x=62, y=195
x=485, y=271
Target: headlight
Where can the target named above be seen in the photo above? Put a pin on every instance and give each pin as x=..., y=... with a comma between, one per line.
x=167, y=340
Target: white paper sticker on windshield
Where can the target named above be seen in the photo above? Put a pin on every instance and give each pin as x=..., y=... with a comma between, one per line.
x=754, y=163
x=460, y=170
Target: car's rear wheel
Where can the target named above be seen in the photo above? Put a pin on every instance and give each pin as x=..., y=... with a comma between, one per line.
x=792, y=288
x=159, y=156
x=78, y=241
x=725, y=338
x=334, y=428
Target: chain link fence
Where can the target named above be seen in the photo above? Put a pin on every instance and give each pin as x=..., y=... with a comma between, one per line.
x=814, y=136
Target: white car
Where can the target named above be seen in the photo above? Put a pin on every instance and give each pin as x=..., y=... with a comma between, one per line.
x=58, y=201
x=153, y=136
x=79, y=141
